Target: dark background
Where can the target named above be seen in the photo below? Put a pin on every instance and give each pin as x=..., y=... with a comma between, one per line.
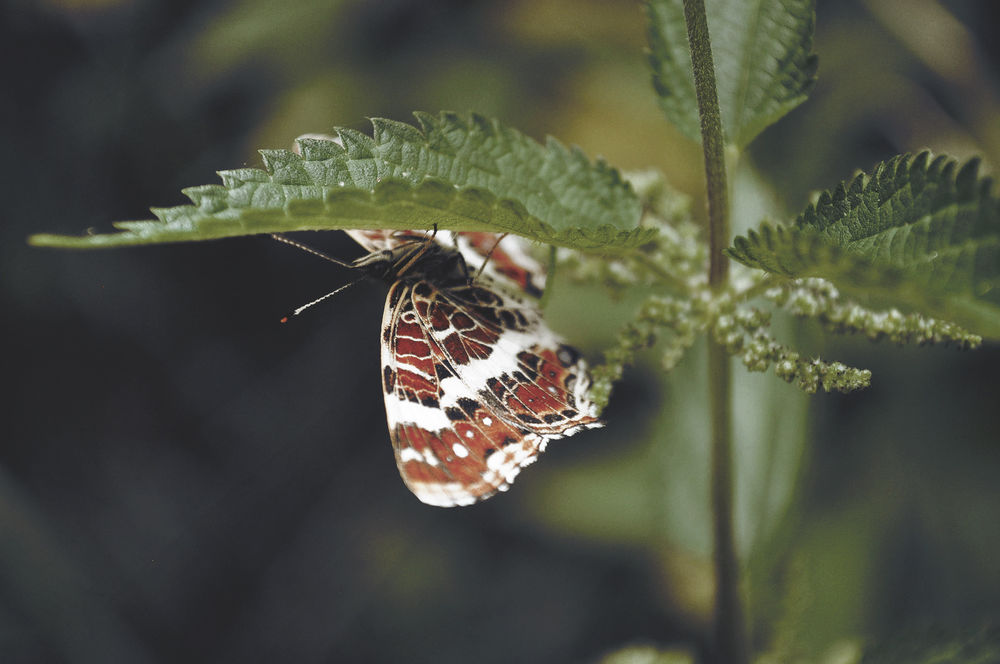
x=182, y=478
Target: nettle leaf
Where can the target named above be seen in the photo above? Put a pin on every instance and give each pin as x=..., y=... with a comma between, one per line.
x=453, y=172
x=764, y=66
x=919, y=231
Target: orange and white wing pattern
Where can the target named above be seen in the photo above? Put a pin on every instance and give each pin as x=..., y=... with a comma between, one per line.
x=475, y=382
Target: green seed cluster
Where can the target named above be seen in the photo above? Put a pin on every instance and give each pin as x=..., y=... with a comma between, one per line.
x=743, y=333
x=674, y=266
x=819, y=299
x=806, y=373
x=663, y=319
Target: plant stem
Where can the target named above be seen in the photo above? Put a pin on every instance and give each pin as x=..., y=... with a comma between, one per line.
x=712, y=141
x=729, y=631
x=729, y=634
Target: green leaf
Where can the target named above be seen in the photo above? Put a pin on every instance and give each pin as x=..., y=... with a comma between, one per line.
x=764, y=65
x=919, y=232
x=463, y=173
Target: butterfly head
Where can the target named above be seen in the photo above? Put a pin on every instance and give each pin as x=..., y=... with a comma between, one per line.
x=416, y=260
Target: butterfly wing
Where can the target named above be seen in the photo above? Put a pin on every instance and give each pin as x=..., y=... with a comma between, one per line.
x=507, y=263
x=450, y=448
x=380, y=239
x=475, y=382
x=503, y=352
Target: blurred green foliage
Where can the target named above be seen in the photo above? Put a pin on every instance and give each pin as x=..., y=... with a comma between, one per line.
x=764, y=65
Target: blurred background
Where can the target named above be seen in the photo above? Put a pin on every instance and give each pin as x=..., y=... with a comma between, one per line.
x=182, y=478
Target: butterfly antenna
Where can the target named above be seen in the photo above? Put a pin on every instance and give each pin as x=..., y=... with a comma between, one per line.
x=318, y=300
x=309, y=250
x=415, y=256
x=488, y=255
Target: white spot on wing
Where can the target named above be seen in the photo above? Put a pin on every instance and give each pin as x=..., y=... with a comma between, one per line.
x=410, y=454
x=461, y=451
x=442, y=495
x=408, y=412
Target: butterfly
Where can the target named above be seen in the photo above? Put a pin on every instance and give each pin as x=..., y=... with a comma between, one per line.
x=475, y=382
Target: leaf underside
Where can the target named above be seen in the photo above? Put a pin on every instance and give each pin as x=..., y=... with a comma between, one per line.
x=453, y=172
x=923, y=232
x=764, y=65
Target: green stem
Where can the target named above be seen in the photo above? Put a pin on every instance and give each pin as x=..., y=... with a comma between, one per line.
x=729, y=631
x=730, y=645
x=712, y=141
